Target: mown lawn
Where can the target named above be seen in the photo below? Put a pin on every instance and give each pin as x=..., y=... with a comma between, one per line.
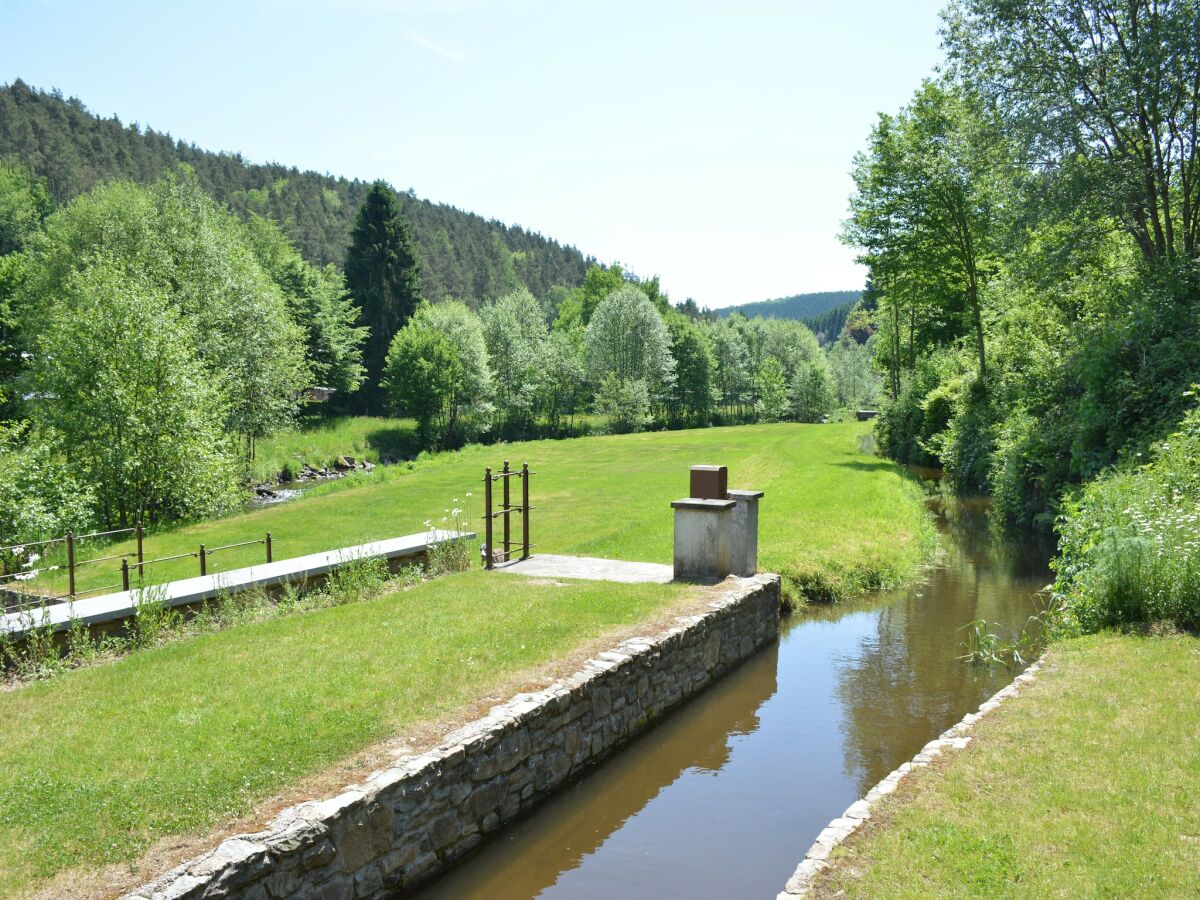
x=99, y=763
x=834, y=519
x=1086, y=785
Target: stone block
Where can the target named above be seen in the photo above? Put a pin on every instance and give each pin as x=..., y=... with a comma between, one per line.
x=364, y=838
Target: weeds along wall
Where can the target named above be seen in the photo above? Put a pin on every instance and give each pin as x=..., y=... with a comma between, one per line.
x=407, y=823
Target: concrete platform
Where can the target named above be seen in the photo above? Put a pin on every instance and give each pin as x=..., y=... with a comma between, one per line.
x=123, y=604
x=588, y=568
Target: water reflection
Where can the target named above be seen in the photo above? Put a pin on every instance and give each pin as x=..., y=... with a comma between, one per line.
x=723, y=797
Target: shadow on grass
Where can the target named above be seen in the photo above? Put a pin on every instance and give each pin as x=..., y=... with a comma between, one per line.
x=873, y=465
x=396, y=442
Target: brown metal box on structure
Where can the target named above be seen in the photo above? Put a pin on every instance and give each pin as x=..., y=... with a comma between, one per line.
x=709, y=482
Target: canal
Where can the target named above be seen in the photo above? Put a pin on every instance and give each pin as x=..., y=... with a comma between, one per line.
x=725, y=796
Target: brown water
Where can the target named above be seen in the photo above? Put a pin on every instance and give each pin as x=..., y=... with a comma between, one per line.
x=724, y=797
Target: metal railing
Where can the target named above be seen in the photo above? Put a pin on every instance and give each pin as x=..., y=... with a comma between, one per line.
x=72, y=566
x=202, y=554
x=506, y=510
x=133, y=561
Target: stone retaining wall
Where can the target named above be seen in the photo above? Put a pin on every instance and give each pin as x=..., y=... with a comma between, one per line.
x=409, y=822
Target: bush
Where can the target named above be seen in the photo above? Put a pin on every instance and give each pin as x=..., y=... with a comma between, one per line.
x=1129, y=548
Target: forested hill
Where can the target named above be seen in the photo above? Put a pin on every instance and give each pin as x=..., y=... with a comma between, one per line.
x=464, y=255
x=797, y=306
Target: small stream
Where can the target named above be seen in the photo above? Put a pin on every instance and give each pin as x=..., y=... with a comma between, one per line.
x=723, y=798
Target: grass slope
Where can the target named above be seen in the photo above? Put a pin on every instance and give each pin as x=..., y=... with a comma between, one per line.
x=834, y=520
x=1083, y=786
x=99, y=763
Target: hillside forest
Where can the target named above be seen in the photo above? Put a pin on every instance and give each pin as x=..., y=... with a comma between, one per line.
x=157, y=322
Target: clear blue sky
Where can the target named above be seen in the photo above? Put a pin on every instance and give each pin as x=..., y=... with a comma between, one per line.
x=708, y=142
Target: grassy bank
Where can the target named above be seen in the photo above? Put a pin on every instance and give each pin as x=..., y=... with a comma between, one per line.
x=1085, y=785
x=834, y=520
x=320, y=442
x=99, y=763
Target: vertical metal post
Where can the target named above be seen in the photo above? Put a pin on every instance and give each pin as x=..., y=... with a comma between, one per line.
x=71, y=563
x=268, y=546
x=139, y=541
x=487, y=517
x=507, y=504
x=203, y=561
x=124, y=574
x=524, y=510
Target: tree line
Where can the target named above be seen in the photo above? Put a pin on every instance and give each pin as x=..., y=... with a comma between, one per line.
x=1030, y=223
x=614, y=346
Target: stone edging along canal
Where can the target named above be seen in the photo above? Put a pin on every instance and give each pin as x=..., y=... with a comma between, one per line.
x=836, y=832
x=407, y=823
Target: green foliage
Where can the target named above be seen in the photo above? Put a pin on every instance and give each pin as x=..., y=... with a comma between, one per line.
x=318, y=303
x=828, y=326
x=1029, y=223
x=171, y=242
x=695, y=395
x=770, y=384
x=732, y=375
x=356, y=580
x=1106, y=94
x=383, y=275
x=1129, y=541
x=515, y=332
x=563, y=379
x=124, y=390
x=812, y=393
x=40, y=497
x=419, y=378
x=624, y=403
x=24, y=205
x=856, y=383
x=628, y=353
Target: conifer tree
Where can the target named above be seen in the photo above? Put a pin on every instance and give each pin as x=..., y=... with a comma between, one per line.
x=383, y=275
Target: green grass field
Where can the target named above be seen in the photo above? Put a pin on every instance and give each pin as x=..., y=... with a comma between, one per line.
x=99, y=763
x=1085, y=785
x=834, y=520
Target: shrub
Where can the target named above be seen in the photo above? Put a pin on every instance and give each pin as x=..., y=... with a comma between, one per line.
x=1129, y=548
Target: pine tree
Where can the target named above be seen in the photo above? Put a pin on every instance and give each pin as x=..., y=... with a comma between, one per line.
x=383, y=275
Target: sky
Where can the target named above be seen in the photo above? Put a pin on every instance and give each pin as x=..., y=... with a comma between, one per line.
x=708, y=143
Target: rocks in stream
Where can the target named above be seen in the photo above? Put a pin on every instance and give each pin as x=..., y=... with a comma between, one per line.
x=288, y=485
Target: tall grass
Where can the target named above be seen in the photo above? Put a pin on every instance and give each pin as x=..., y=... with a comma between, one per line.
x=1130, y=541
